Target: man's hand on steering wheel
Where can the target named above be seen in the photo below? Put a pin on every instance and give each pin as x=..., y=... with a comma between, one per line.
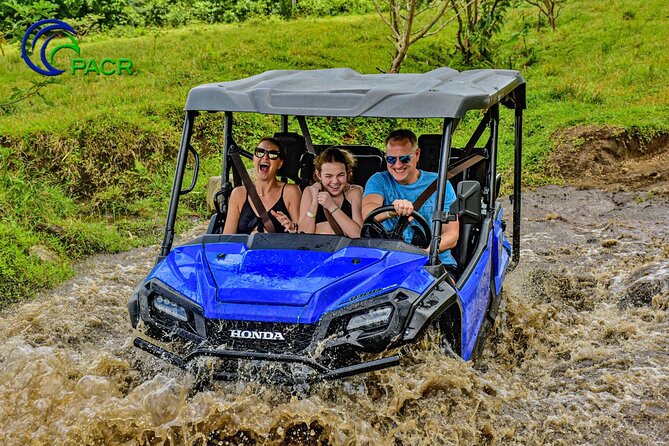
x=403, y=208
x=374, y=229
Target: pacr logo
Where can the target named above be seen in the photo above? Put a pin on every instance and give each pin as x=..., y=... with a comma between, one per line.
x=52, y=28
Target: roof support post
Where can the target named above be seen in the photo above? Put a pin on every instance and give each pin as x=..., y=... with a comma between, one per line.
x=517, y=183
x=306, y=134
x=441, y=189
x=477, y=133
x=226, y=187
x=182, y=160
x=492, y=156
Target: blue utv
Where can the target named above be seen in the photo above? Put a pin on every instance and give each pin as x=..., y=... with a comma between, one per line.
x=333, y=304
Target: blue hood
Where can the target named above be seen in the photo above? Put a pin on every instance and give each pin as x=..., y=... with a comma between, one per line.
x=297, y=286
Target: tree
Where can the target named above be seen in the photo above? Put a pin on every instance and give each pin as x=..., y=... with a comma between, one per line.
x=478, y=22
x=549, y=8
x=403, y=15
x=17, y=17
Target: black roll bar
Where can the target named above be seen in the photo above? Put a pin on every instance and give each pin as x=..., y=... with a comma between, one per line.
x=226, y=186
x=182, y=160
x=483, y=125
x=492, y=152
x=441, y=189
x=517, y=183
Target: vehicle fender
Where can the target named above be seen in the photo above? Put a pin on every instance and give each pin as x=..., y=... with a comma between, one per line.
x=501, y=251
x=474, y=294
x=133, y=310
x=437, y=299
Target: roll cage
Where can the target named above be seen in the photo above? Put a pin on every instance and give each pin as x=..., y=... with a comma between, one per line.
x=443, y=93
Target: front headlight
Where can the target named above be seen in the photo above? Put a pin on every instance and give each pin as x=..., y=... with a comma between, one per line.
x=377, y=317
x=170, y=308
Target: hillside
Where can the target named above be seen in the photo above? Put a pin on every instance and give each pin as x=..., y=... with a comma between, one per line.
x=89, y=169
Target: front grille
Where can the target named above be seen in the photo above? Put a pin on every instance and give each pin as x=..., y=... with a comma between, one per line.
x=260, y=336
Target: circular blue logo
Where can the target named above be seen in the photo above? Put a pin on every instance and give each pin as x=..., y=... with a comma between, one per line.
x=49, y=29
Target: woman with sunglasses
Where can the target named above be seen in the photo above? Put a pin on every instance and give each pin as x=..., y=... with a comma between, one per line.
x=281, y=200
x=334, y=192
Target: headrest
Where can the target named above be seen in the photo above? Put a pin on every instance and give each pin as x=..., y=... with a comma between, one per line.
x=293, y=145
x=430, y=150
x=369, y=160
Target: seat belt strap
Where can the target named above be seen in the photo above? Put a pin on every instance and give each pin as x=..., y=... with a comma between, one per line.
x=251, y=189
x=464, y=165
x=422, y=198
x=458, y=169
x=335, y=226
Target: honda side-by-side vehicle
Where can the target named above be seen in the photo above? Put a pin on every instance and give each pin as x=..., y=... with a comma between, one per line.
x=333, y=304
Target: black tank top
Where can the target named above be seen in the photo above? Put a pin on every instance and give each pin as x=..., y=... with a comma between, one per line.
x=345, y=207
x=249, y=221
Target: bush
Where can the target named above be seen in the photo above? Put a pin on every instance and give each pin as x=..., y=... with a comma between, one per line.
x=322, y=8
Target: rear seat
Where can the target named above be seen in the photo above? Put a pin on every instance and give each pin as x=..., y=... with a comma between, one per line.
x=294, y=146
x=369, y=160
x=430, y=152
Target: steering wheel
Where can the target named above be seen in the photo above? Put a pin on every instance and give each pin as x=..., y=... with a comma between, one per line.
x=373, y=229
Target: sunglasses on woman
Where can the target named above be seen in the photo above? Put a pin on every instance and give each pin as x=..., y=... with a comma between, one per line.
x=271, y=154
x=404, y=159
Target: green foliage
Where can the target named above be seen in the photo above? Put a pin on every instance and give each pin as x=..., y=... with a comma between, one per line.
x=92, y=15
x=21, y=94
x=16, y=17
x=478, y=23
x=323, y=8
x=40, y=231
x=520, y=51
x=23, y=273
x=550, y=9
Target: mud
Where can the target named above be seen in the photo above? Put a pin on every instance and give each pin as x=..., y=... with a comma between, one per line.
x=578, y=355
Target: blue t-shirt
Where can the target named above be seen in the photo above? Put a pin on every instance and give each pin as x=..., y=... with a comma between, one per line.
x=382, y=183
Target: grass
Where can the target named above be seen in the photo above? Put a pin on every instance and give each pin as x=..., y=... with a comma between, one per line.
x=97, y=163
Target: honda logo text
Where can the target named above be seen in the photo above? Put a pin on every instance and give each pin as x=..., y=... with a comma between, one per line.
x=252, y=334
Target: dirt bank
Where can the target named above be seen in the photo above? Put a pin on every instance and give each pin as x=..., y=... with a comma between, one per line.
x=609, y=158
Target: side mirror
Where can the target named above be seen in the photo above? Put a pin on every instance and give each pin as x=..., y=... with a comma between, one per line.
x=467, y=204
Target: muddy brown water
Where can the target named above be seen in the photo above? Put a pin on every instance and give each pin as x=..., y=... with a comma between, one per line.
x=579, y=355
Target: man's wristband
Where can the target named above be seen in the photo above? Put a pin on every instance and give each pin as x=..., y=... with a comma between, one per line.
x=310, y=214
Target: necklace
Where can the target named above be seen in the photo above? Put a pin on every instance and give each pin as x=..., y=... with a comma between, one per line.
x=262, y=194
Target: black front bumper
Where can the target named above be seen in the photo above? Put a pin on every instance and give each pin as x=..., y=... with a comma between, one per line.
x=321, y=372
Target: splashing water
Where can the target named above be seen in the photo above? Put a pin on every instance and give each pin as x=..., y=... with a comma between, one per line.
x=578, y=355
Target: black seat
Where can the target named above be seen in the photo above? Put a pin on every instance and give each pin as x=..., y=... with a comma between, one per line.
x=306, y=169
x=369, y=160
x=430, y=148
x=430, y=152
x=294, y=146
x=467, y=206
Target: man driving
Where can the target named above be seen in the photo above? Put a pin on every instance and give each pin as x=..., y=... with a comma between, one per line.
x=401, y=185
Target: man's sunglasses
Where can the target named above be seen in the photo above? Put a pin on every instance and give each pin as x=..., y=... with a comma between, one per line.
x=271, y=154
x=404, y=159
